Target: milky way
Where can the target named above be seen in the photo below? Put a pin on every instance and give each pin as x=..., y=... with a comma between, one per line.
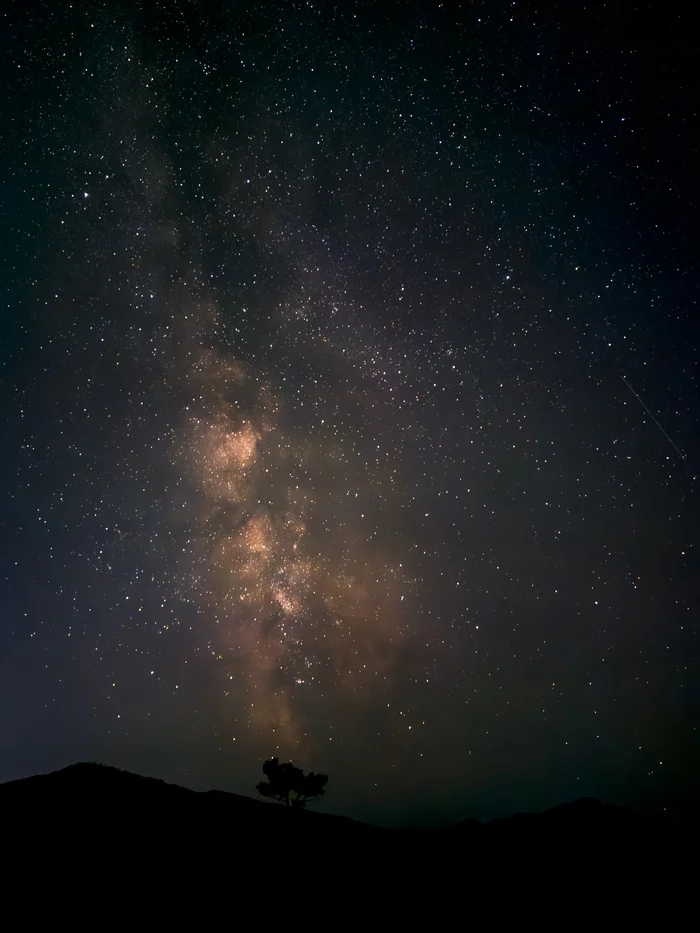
x=294, y=585
x=317, y=442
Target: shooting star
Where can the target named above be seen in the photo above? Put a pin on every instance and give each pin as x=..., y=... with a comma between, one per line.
x=655, y=420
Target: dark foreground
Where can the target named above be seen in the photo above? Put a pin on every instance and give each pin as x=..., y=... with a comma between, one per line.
x=90, y=820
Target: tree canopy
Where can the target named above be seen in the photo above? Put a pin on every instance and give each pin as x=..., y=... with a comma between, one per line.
x=289, y=784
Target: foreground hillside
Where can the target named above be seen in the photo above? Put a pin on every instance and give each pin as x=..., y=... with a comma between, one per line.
x=107, y=838
x=89, y=794
x=90, y=797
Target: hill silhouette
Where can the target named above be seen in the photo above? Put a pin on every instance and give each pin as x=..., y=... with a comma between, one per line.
x=89, y=794
x=136, y=839
x=93, y=797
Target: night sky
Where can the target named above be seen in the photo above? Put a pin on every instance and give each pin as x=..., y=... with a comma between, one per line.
x=349, y=382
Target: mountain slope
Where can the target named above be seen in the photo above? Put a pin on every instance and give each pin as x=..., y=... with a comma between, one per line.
x=92, y=798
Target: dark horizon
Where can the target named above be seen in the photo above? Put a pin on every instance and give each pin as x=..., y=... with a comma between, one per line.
x=96, y=787
x=349, y=364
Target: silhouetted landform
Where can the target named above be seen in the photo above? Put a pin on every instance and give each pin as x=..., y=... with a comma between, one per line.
x=106, y=840
x=90, y=797
x=99, y=819
x=87, y=794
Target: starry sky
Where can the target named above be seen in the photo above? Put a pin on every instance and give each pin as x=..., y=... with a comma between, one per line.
x=349, y=378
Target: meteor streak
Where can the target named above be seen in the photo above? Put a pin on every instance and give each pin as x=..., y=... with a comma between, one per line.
x=655, y=420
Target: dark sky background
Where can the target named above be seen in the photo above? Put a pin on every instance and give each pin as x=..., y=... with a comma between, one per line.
x=316, y=441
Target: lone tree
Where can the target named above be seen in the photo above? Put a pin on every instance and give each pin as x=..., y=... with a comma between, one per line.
x=286, y=779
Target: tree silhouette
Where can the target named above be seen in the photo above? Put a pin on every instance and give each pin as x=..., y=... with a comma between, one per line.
x=285, y=779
